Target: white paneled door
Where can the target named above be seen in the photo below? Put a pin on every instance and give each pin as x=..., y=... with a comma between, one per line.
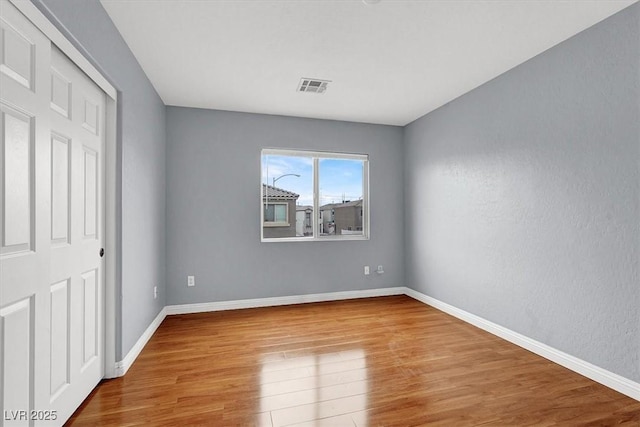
x=51, y=225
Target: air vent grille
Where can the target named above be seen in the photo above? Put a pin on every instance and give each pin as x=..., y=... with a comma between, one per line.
x=313, y=85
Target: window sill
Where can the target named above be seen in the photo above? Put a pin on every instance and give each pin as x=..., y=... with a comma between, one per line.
x=276, y=224
x=316, y=239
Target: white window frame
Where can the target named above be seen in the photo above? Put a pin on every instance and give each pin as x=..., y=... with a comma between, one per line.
x=316, y=156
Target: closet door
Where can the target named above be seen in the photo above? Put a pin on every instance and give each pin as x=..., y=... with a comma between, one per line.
x=51, y=225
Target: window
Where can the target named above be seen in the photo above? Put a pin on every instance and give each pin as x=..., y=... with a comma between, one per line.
x=326, y=194
x=276, y=213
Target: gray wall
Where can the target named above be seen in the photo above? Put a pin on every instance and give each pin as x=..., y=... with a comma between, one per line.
x=523, y=198
x=142, y=147
x=213, y=218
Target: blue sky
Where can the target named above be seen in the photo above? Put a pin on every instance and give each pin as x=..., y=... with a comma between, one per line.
x=338, y=177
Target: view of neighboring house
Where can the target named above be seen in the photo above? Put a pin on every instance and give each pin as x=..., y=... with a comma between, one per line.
x=284, y=218
x=341, y=218
x=279, y=212
x=304, y=220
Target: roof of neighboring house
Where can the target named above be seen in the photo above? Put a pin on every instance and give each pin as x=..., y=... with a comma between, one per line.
x=303, y=208
x=276, y=193
x=341, y=205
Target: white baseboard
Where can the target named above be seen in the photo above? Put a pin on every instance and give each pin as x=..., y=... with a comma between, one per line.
x=123, y=366
x=597, y=374
x=274, y=301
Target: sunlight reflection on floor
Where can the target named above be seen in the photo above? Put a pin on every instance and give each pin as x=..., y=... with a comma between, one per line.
x=327, y=389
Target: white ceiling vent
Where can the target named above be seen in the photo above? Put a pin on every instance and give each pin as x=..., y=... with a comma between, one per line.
x=313, y=85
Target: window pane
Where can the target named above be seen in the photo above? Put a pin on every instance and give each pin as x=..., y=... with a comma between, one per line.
x=341, y=193
x=287, y=195
x=281, y=213
x=268, y=213
x=275, y=212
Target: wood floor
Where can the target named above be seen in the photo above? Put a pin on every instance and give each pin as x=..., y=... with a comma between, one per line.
x=389, y=361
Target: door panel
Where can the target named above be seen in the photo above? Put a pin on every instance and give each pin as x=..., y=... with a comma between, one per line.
x=17, y=55
x=16, y=332
x=60, y=93
x=17, y=160
x=24, y=215
x=90, y=192
x=60, y=189
x=77, y=225
x=51, y=225
x=89, y=314
x=60, y=338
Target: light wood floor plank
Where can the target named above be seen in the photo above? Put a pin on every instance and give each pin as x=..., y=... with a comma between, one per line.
x=388, y=361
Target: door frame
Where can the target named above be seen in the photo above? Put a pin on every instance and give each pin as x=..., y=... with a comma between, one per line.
x=110, y=214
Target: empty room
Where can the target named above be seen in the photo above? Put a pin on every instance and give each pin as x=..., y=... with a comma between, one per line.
x=320, y=213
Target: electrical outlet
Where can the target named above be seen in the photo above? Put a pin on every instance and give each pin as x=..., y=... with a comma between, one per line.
x=155, y=292
x=366, y=270
x=191, y=280
x=380, y=270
